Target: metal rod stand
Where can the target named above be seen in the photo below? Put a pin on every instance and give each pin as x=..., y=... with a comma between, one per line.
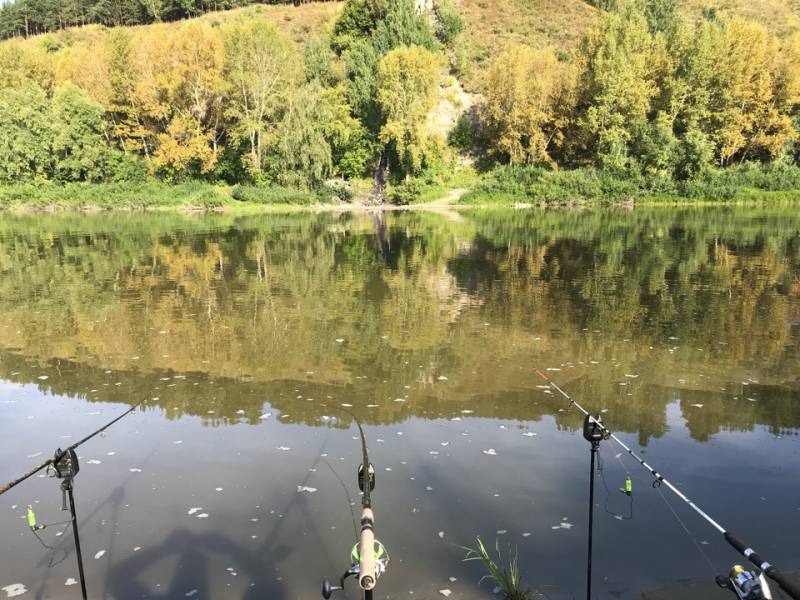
x=595, y=448
x=66, y=486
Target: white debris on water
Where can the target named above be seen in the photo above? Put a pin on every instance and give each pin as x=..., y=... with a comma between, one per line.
x=282, y=448
x=445, y=592
x=433, y=452
x=502, y=531
x=194, y=510
x=93, y=461
x=490, y=452
x=137, y=548
x=135, y=470
x=467, y=412
x=265, y=416
x=526, y=534
x=202, y=516
x=110, y=453
x=441, y=378
x=441, y=534
x=563, y=525
x=529, y=434
x=240, y=412
x=219, y=489
x=190, y=593
x=339, y=340
x=15, y=589
x=43, y=377
x=304, y=488
x=697, y=405
x=99, y=554
x=35, y=455
x=70, y=581
x=452, y=579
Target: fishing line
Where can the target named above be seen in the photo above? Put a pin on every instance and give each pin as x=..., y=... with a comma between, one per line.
x=618, y=516
x=347, y=493
x=791, y=588
x=688, y=533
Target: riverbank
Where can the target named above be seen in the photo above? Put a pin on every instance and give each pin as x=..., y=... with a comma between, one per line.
x=521, y=187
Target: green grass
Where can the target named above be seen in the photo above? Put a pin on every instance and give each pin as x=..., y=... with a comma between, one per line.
x=751, y=182
x=504, y=572
x=149, y=195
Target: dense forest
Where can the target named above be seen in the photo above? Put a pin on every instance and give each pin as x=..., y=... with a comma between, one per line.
x=648, y=100
x=30, y=17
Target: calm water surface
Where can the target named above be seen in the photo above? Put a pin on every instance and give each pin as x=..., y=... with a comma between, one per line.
x=247, y=335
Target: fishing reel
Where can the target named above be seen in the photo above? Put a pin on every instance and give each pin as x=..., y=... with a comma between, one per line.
x=747, y=585
x=381, y=558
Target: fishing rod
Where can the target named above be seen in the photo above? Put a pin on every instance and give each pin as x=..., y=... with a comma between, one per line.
x=60, y=454
x=368, y=558
x=65, y=466
x=737, y=575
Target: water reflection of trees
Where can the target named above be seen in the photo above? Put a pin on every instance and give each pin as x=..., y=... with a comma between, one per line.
x=695, y=303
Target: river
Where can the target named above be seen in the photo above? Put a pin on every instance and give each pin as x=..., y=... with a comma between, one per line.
x=252, y=338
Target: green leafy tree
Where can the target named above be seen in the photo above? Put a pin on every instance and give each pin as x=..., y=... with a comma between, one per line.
x=79, y=146
x=407, y=86
x=616, y=87
x=27, y=131
x=262, y=67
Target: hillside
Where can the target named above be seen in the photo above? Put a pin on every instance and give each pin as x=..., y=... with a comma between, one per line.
x=781, y=17
x=296, y=22
x=489, y=26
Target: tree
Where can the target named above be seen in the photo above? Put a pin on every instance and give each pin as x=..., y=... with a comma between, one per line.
x=179, y=95
x=79, y=145
x=616, y=86
x=407, y=87
x=526, y=104
x=744, y=118
x=25, y=123
x=261, y=68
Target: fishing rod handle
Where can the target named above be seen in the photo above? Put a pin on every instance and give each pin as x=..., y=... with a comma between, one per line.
x=367, y=577
x=770, y=571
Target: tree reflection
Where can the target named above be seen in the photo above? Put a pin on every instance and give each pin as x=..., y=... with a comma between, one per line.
x=414, y=314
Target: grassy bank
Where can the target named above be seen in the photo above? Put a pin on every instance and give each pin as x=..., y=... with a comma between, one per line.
x=503, y=186
x=151, y=195
x=750, y=182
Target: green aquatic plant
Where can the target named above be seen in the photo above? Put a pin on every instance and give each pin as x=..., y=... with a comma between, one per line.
x=505, y=573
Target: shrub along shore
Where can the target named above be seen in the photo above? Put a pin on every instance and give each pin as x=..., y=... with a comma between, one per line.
x=502, y=186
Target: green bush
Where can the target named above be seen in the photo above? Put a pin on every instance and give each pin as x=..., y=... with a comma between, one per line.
x=405, y=193
x=337, y=189
x=450, y=22
x=271, y=195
